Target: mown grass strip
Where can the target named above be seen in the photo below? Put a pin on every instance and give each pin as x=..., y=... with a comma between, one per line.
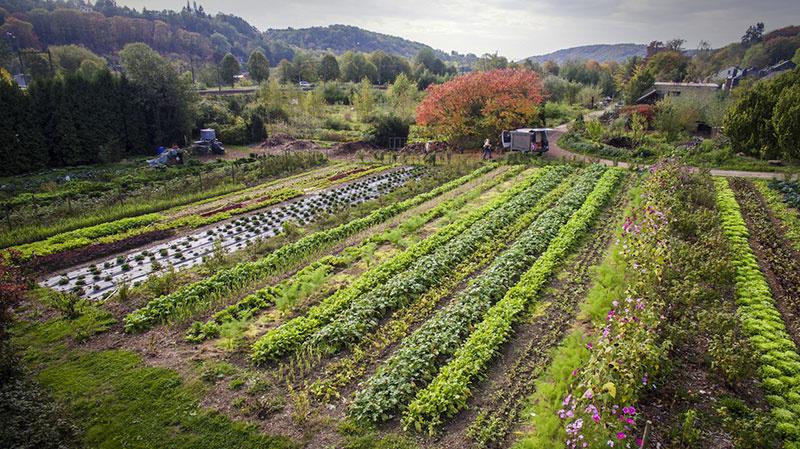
x=779, y=359
x=449, y=391
x=418, y=357
x=292, y=334
x=209, y=291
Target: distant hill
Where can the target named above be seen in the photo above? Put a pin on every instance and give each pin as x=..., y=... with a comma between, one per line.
x=341, y=38
x=598, y=52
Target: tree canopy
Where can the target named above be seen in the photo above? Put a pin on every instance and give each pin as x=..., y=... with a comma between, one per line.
x=481, y=104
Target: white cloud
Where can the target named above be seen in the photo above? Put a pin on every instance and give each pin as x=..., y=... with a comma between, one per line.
x=516, y=28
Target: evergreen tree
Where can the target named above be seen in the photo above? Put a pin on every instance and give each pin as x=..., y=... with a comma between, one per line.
x=328, y=68
x=228, y=69
x=258, y=66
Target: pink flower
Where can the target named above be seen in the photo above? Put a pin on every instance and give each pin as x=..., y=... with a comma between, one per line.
x=620, y=435
x=589, y=346
x=596, y=417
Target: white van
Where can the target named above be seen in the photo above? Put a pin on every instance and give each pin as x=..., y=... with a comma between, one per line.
x=533, y=140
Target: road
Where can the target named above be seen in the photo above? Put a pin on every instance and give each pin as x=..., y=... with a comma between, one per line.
x=556, y=152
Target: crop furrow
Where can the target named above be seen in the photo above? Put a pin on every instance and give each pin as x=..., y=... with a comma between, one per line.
x=288, y=337
x=365, y=313
x=779, y=261
x=416, y=360
x=778, y=355
x=448, y=392
x=373, y=347
x=328, y=265
x=213, y=289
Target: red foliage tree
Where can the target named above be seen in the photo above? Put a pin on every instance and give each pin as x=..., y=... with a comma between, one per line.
x=482, y=104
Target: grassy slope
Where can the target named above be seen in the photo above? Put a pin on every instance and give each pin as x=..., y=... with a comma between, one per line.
x=118, y=401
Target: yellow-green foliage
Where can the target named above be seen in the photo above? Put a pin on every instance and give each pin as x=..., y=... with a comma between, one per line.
x=779, y=359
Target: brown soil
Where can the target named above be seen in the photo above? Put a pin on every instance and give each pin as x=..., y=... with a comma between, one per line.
x=512, y=375
x=53, y=262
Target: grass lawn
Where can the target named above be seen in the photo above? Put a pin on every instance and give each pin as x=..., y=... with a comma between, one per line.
x=117, y=401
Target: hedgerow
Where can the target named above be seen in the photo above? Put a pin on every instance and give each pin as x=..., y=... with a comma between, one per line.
x=295, y=332
x=449, y=391
x=211, y=290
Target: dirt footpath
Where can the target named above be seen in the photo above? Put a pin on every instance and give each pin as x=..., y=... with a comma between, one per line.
x=556, y=152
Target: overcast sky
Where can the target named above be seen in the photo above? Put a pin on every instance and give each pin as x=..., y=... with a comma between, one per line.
x=515, y=28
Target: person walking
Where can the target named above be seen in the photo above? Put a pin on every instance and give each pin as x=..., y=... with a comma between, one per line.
x=487, y=150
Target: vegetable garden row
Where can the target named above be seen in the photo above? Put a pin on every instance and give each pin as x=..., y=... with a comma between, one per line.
x=513, y=306
x=99, y=279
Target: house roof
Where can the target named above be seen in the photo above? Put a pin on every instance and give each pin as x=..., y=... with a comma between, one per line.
x=669, y=84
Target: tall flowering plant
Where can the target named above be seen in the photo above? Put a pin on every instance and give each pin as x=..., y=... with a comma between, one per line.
x=599, y=410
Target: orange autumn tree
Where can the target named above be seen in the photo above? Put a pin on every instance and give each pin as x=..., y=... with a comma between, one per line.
x=482, y=104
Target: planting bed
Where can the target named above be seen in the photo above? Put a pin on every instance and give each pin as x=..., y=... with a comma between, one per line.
x=101, y=278
x=525, y=306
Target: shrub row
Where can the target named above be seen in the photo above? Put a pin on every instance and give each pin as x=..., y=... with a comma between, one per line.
x=295, y=332
x=267, y=296
x=779, y=359
x=365, y=312
x=213, y=289
x=416, y=361
x=449, y=391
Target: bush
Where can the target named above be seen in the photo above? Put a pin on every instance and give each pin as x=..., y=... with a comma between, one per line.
x=333, y=93
x=235, y=134
x=387, y=127
x=336, y=124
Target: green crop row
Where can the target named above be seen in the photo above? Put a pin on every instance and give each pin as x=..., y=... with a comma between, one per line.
x=354, y=364
x=789, y=217
x=450, y=389
x=213, y=289
x=416, y=361
x=85, y=236
x=779, y=359
x=267, y=296
x=426, y=272
x=114, y=231
x=294, y=333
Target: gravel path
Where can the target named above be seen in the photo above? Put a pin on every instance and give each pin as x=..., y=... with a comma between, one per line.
x=556, y=152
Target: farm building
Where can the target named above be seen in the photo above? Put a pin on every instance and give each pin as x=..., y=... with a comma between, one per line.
x=666, y=89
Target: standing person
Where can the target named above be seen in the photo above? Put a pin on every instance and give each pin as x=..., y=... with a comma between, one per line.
x=487, y=149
